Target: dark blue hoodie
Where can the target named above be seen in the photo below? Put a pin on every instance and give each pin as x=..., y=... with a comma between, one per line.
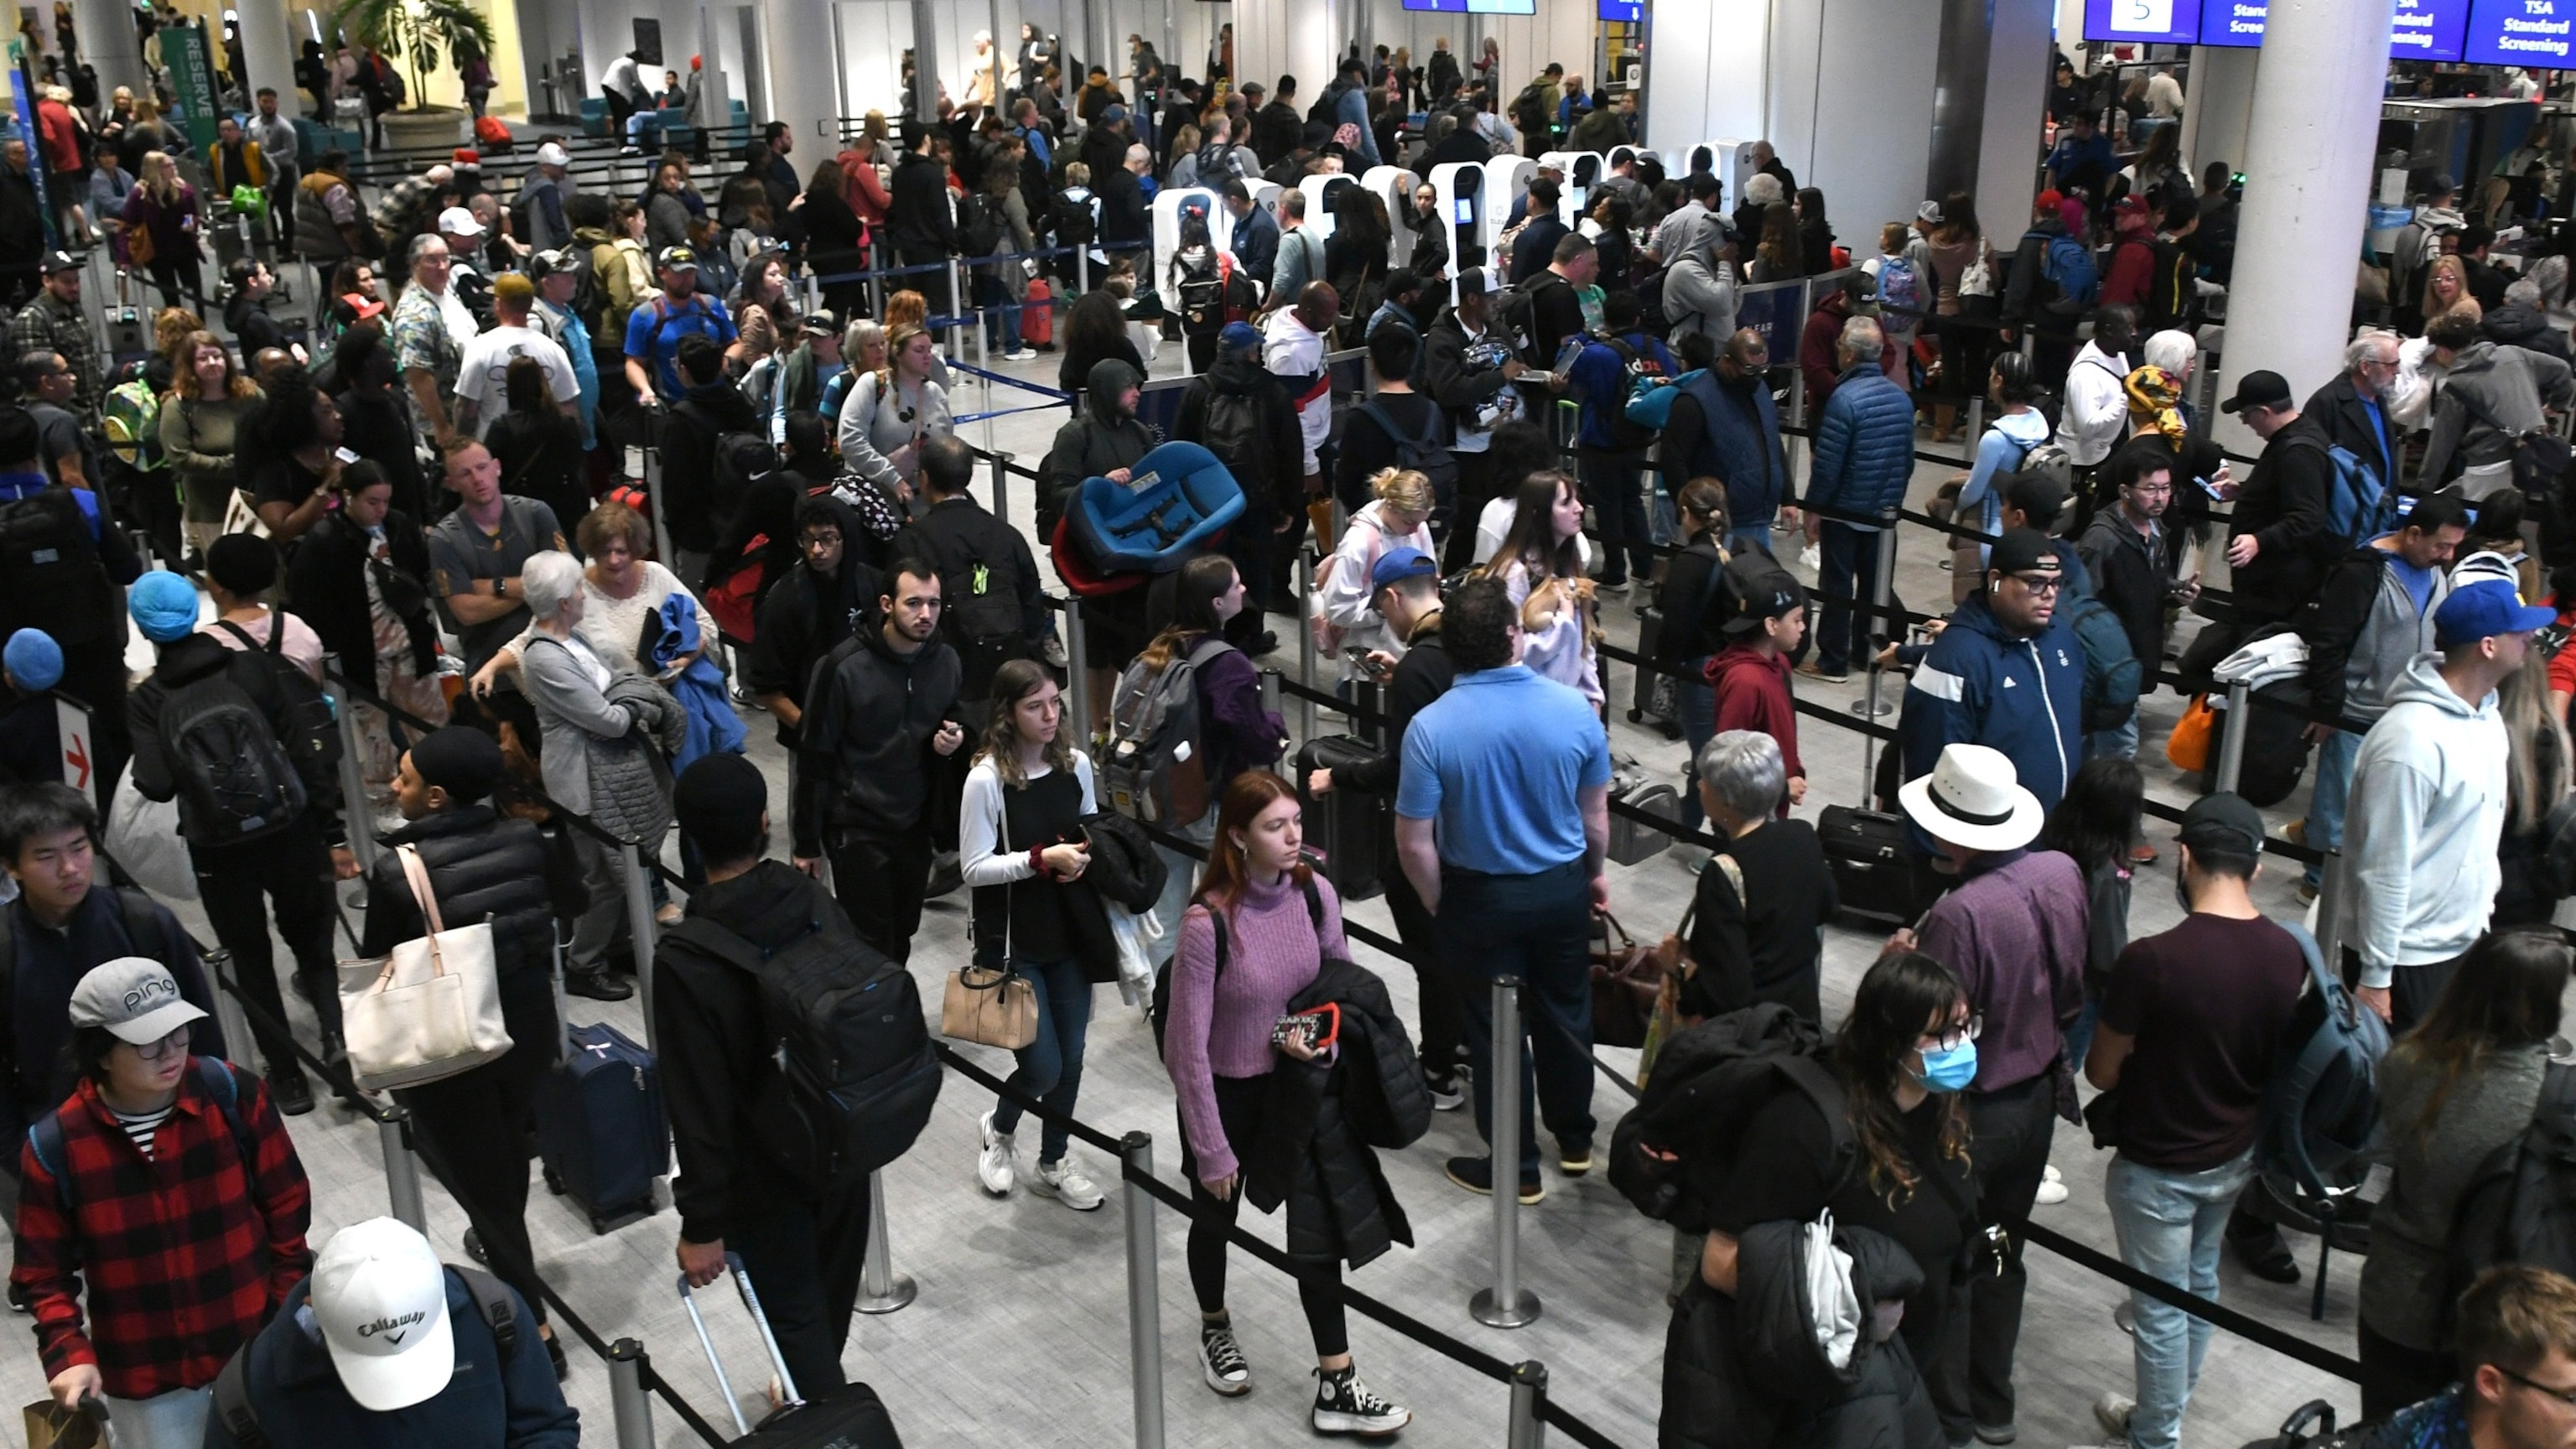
x=1982, y=686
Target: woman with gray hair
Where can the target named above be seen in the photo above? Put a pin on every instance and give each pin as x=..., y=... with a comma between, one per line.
x=608, y=733
x=1753, y=930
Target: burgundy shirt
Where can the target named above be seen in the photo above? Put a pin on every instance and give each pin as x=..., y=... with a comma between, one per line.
x=2015, y=932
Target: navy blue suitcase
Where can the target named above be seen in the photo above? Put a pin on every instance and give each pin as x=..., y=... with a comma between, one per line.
x=600, y=1127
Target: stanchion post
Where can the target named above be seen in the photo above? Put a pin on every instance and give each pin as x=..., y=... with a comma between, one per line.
x=1144, y=1292
x=881, y=1288
x=2330, y=889
x=1976, y=428
x=1270, y=691
x=240, y=1047
x=1506, y=1304
x=956, y=303
x=1077, y=655
x=1305, y=644
x=1527, y=1430
x=402, y=1169
x=639, y=926
x=627, y=1397
x=354, y=809
x=1882, y=598
x=2231, y=737
x=652, y=475
x=1002, y=486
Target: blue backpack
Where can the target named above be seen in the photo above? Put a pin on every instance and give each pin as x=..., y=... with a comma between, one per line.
x=214, y=1077
x=2321, y=1112
x=2068, y=265
x=2357, y=508
x=1900, y=290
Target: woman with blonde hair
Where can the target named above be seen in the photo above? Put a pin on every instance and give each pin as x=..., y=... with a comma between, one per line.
x=1344, y=615
x=876, y=141
x=2538, y=768
x=890, y=411
x=2446, y=281
x=161, y=225
x=202, y=421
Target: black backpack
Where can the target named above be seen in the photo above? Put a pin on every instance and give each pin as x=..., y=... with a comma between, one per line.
x=2520, y=1204
x=1159, y=1007
x=1424, y=454
x=982, y=617
x=856, y=1074
x=1072, y=219
x=237, y=779
x=311, y=724
x=1634, y=367
x=1232, y=431
x=1516, y=318
x=1532, y=113
x=1670, y=1155
x=232, y=1407
x=984, y=224
x=48, y=560
x=741, y=459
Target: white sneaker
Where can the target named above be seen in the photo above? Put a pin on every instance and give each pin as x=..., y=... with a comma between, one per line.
x=1344, y=1405
x=993, y=1163
x=2051, y=1193
x=1021, y=354
x=2049, y=1174
x=2112, y=1412
x=1065, y=1183
x=1221, y=1360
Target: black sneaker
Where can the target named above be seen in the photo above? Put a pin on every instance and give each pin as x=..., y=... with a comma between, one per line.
x=474, y=1248
x=2258, y=1246
x=287, y=1089
x=1476, y=1174
x=1344, y=1405
x=597, y=986
x=555, y=1355
x=1221, y=1360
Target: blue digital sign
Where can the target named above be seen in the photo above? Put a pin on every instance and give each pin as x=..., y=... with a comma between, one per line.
x=1476, y=7
x=2233, y=22
x=1623, y=12
x=2153, y=22
x=2428, y=29
x=2536, y=34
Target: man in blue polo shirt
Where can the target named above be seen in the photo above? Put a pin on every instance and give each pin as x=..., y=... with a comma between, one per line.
x=1503, y=824
x=654, y=330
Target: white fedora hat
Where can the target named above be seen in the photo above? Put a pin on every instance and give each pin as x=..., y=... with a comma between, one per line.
x=1973, y=799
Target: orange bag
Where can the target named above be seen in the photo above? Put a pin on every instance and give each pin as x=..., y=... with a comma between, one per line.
x=2188, y=746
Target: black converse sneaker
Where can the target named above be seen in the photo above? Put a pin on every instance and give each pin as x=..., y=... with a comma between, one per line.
x=1344, y=1405
x=1221, y=1360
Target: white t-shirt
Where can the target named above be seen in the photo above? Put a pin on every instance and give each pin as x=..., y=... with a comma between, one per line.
x=484, y=377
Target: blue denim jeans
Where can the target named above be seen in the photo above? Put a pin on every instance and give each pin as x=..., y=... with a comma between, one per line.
x=1050, y=1068
x=1662, y=518
x=1754, y=536
x=1850, y=571
x=2170, y=1225
x=1695, y=702
x=2118, y=742
x=2333, y=795
x=1538, y=928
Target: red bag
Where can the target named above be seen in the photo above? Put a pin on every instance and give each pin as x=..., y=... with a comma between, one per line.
x=1037, y=314
x=735, y=601
x=492, y=136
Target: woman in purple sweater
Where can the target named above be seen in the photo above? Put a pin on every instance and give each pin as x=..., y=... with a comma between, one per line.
x=1279, y=921
x=1235, y=732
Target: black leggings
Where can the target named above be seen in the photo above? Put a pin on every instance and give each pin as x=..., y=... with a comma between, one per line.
x=1239, y=1104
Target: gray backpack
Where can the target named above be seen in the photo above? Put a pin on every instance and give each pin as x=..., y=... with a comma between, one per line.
x=1156, y=771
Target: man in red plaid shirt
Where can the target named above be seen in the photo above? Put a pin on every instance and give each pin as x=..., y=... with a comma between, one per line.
x=168, y=1184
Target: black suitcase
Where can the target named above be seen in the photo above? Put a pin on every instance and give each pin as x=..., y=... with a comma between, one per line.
x=1873, y=869
x=1344, y=827
x=849, y=1417
x=600, y=1128
x=1654, y=702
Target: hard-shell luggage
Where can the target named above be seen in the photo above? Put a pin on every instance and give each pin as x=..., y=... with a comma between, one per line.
x=1873, y=872
x=600, y=1127
x=849, y=1417
x=1657, y=700
x=1037, y=314
x=1345, y=827
x=1634, y=841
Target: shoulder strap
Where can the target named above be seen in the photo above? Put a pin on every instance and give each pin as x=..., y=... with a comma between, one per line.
x=238, y=632
x=232, y=1401
x=1314, y=903
x=215, y=1076
x=500, y=1313
x=45, y=1140
x=1812, y=1078
x=142, y=924
x=716, y=940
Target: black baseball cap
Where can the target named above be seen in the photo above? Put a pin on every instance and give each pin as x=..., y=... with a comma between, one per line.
x=62, y=262
x=2222, y=822
x=2024, y=550
x=2264, y=389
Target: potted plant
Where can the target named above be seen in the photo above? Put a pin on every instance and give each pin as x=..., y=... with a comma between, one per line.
x=415, y=35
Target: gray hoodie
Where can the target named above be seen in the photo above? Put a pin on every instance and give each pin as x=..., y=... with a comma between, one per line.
x=1699, y=296
x=2428, y=807
x=2491, y=392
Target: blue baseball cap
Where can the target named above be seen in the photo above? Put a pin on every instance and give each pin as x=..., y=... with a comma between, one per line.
x=1238, y=336
x=34, y=660
x=1398, y=564
x=2483, y=610
x=164, y=606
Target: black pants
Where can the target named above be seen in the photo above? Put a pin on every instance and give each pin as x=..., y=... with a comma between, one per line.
x=881, y=877
x=2013, y=1129
x=803, y=1254
x=1443, y=1038
x=470, y=1129
x=933, y=286
x=2411, y=989
x=619, y=108
x=1475, y=488
x=1239, y=1109
x=2394, y=1376
x=293, y=868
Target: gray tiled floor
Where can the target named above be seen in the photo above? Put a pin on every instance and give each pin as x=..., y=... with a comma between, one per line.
x=1020, y=1331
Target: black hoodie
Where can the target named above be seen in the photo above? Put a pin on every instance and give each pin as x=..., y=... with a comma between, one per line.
x=1272, y=474
x=1104, y=438
x=696, y=516
x=869, y=718
x=185, y=662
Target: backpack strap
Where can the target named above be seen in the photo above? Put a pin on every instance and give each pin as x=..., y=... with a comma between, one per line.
x=232, y=1401
x=499, y=1307
x=718, y=941
x=1812, y=1078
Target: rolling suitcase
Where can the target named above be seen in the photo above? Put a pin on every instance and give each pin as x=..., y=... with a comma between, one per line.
x=1344, y=827
x=849, y=1417
x=1873, y=870
x=1656, y=700
x=600, y=1128
x=1037, y=314
x=1634, y=841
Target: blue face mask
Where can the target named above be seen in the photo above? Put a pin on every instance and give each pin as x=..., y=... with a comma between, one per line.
x=1949, y=1069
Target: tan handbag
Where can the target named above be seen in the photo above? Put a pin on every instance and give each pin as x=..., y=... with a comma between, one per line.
x=431, y=1009
x=51, y=1426
x=992, y=1006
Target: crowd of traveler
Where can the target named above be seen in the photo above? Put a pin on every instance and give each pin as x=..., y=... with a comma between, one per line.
x=419, y=505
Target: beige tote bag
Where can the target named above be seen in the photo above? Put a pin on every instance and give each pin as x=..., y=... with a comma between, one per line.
x=430, y=1010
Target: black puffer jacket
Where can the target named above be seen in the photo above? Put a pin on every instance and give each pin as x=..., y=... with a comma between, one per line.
x=1370, y=1096
x=481, y=868
x=1746, y=1372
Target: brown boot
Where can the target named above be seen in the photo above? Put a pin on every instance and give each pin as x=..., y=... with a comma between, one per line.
x=1945, y=421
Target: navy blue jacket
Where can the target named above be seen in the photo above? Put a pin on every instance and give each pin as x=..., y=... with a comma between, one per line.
x=487, y=1404
x=49, y=964
x=1982, y=686
x=1730, y=432
x=1256, y=244
x=1864, y=444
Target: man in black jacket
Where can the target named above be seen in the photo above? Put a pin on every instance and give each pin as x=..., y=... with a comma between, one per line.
x=1535, y=247
x=1125, y=228
x=1468, y=367
x=920, y=217
x=693, y=505
x=1407, y=595
x=879, y=725
x=992, y=609
x=2350, y=411
x=821, y=602
x=2278, y=542
x=1243, y=415
x=803, y=1247
x=2131, y=558
x=1277, y=126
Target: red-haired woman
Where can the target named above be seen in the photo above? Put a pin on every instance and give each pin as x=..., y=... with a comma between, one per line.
x=1271, y=922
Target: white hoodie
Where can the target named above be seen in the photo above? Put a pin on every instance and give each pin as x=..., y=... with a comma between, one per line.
x=2428, y=807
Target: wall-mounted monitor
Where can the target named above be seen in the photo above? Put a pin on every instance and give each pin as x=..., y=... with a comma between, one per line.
x=2143, y=22
x=2428, y=30
x=2233, y=22
x=1476, y=7
x=2535, y=34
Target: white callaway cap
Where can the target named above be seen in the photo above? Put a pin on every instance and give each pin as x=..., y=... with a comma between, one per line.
x=380, y=1297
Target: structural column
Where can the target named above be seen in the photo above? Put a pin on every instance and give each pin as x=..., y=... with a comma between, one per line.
x=107, y=42
x=2307, y=189
x=804, y=86
x=1284, y=37
x=268, y=50
x=2220, y=108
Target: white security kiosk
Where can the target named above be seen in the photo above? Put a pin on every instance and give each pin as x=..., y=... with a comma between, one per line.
x=1507, y=180
x=1458, y=189
x=1582, y=171
x=1394, y=185
x=1322, y=193
x=1170, y=205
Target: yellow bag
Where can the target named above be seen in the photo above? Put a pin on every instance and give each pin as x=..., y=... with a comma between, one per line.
x=2188, y=746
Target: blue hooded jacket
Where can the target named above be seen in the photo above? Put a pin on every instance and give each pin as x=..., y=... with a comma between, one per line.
x=714, y=729
x=1982, y=686
x=1864, y=444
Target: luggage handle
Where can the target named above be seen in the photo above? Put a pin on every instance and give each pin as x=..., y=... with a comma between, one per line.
x=760, y=1320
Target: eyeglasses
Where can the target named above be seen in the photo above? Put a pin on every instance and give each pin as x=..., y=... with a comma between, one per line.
x=2039, y=583
x=2564, y=1396
x=823, y=540
x=1957, y=1035
x=177, y=1041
